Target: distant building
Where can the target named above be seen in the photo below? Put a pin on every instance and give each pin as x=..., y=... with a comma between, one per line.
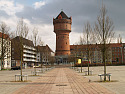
x=6, y=64
x=118, y=52
x=115, y=53
x=44, y=54
x=29, y=52
x=62, y=28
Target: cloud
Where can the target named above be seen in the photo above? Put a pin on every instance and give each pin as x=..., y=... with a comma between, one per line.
x=81, y=12
x=38, y=4
x=9, y=7
x=41, y=13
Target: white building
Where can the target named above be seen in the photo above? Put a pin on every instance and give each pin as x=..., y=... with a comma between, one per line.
x=6, y=51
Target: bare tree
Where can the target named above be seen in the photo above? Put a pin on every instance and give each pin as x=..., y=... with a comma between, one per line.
x=40, y=42
x=119, y=40
x=22, y=31
x=88, y=39
x=104, y=33
x=74, y=56
x=35, y=38
x=5, y=43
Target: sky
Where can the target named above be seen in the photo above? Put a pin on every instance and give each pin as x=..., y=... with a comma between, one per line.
x=40, y=14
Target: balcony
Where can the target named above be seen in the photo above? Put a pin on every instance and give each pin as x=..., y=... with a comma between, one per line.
x=31, y=52
x=32, y=60
x=32, y=56
x=31, y=48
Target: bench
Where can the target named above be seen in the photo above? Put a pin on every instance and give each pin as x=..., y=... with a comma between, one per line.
x=42, y=70
x=90, y=72
x=108, y=75
x=37, y=72
x=80, y=70
x=20, y=77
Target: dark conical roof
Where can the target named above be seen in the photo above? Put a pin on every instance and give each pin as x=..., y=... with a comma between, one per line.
x=63, y=15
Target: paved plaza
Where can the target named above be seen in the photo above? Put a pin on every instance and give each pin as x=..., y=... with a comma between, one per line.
x=64, y=81
x=55, y=81
x=117, y=83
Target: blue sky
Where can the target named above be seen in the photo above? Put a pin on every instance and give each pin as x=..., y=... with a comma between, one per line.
x=40, y=13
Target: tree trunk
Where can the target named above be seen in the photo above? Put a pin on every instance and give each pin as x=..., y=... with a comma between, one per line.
x=2, y=53
x=88, y=66
x=81, y=65
x=21, y=57
x=1, y=64
x=104, y=62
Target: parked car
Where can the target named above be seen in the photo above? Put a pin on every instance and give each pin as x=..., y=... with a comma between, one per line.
x=15, y=68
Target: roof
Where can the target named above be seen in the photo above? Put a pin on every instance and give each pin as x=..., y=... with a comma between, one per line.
x=5, y=36
x=44, y=48
x=62, y=15
x=25, y=41
x=72, y=47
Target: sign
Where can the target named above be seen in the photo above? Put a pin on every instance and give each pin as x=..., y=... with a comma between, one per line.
x=79, y=61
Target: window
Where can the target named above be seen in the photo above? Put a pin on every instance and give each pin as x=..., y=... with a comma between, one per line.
x=7, y=63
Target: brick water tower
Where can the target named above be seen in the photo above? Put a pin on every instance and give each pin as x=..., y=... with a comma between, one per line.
x=62, y=28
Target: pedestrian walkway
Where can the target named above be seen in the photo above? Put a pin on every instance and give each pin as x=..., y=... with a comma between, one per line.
x=62, y=81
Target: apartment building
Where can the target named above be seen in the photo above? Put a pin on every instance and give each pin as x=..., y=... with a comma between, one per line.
x=118, y=52
x=44, y=54
x=5, y=48
x=94, y=53
x=28, y=49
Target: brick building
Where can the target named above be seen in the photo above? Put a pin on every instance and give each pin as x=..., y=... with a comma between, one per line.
x=118, y=52
x=115, y=53
x=62, y=28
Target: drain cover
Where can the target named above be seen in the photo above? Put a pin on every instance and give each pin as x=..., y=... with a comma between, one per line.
x=61, y=85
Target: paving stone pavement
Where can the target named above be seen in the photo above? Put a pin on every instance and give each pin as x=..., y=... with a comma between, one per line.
x=62, y=81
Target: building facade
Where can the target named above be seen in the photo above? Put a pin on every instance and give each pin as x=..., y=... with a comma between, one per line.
x=115, y=53
x=28, y=51
x=62, y=28
x=95, y=53
x=118, y=52
x=44, y=55
x=5, y=48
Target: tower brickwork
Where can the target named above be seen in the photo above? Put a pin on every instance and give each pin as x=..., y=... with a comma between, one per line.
x=62, y=28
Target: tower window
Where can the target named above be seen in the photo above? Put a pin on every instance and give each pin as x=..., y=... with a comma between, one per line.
x=66, y=42
x=59, y=17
